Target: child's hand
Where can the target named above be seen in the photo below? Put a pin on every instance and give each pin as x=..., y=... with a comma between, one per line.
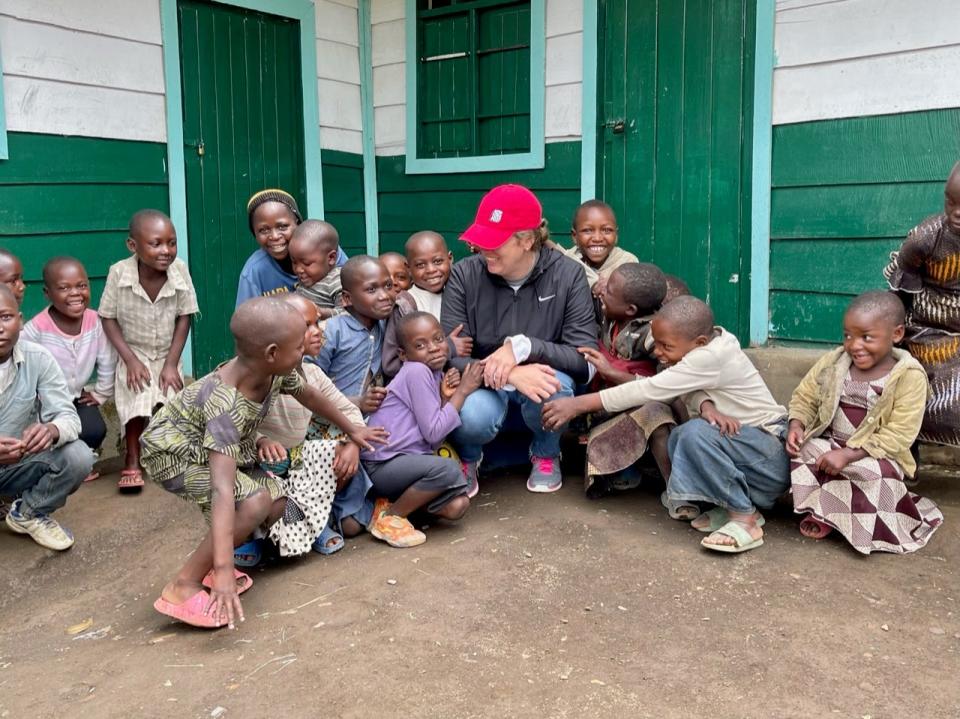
x=472, y=378
x=346, y=462
x=138, y=376
x=371, y=400
x=87, y=400
x=269, y=450
x=362, y=435
x=170, y=379
x=833, y=461
x=463, y=345
x=38, y=437
x=224, y=600
x=558, y=412
x=598, y=360
x=726, y=424
x=795, y=437
x=11, y=450
x=449, y=384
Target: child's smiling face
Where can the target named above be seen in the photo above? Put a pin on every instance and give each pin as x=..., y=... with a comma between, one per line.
x=10, y=324
x=273, y=225
x=423, y=341
x=154, y=241
x=399, y=272
x=429, y=262
x=68, y=289
x=869, y=337
x=313, y=335
x=615, y=307
x=595, y=232
x=670, y=344
x=11, y=275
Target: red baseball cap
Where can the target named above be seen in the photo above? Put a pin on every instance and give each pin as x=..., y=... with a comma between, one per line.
x=503, y=211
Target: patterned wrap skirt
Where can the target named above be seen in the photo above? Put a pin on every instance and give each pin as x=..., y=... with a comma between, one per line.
x=867, y=503
x=310, y=486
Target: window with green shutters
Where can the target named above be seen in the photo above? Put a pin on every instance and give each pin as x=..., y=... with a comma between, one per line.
x=473, y=78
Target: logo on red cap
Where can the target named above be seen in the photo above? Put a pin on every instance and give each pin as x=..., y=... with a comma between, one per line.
x=496, y=216
x=503, y=211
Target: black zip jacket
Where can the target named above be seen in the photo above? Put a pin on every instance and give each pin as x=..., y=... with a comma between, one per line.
x=553, y=308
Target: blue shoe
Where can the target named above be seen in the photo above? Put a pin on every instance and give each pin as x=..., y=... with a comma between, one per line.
x=247, y=554
x=320, y=543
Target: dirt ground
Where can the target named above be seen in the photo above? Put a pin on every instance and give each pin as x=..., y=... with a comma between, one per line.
x=534, y=606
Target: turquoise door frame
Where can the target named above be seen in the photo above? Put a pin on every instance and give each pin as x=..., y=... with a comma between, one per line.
x=303, y=12
x=764, y=61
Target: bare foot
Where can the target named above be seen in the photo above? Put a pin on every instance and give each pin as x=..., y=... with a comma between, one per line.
x=179, y=590
x=814, y=528
x=746, y=520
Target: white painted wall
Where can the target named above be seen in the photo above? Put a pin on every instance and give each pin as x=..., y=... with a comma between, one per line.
x=563, y=72
x=95, y=68
x=848, y=58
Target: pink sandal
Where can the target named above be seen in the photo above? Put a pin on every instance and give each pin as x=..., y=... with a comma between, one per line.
x=131, y=480
x=813, y=528
x=245, y=581
x=190, y=612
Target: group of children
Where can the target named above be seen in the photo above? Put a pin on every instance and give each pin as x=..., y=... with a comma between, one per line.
x=330, y=418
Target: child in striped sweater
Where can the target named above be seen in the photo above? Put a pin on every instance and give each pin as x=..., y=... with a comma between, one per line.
x=73, y=334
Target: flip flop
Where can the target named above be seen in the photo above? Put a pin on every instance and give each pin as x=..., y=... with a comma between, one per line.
x=247, y=554
x=822, y=528
x=718, y=518
x=131, y=480
x=246, y=581
x=743, y=542
x=92, y=476
x=190, y=612
x=320, y=543
x=673, y=508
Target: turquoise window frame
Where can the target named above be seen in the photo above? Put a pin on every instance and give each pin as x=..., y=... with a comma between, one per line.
x=303, y=12
x=532, y=160
x=4, y=147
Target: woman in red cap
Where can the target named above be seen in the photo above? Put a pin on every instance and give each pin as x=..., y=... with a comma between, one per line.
x=527, y=308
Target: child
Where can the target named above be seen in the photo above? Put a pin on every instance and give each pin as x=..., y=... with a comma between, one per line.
x=201, y=446
x=731, y=455
x=429, y=261
x=422, y=407
x=74, y=335
x=272, y=216
x=595, y=236
x=351, y=359
x=145, y=309
x=311, y=469
x=398, y=269
x=313, y=251
x=41, y=460
x=852, y=421
x=11, y=274
x=632, y=295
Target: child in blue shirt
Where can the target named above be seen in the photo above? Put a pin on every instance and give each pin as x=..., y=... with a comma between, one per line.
x=273, y=215
x=351, y=359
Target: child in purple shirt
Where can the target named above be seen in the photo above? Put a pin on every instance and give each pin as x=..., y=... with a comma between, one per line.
x=421, y=408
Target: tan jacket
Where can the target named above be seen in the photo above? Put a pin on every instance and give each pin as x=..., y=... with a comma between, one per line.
x=889, y=428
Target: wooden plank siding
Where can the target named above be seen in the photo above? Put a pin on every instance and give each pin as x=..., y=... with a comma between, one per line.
x=75, y=196
x=845, y=193
x=447, y=203
x=343, y=199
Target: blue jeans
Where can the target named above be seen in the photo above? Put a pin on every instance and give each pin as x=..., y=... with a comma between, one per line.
x=44, y=481
x=485, y=410
x=737, y=472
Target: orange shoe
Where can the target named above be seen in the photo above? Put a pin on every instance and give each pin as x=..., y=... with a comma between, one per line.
x=379, y=509
x=396, y=531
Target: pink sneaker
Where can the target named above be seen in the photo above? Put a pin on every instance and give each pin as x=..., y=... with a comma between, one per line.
x=545, y=476
x=470, y=470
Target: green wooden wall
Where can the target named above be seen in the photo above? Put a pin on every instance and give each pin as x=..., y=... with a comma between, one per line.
x=447, y=203
x=343, y=198
x=845, y=193
x=74, y=196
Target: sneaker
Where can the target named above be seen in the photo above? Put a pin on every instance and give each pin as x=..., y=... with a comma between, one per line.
x=380, y=508
x=43, y=529
x=396, y=531
x=545, y=475
x=470, y=471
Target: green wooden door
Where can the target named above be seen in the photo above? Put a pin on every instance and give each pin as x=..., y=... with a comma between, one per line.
x=676, y=83
x=243, y=131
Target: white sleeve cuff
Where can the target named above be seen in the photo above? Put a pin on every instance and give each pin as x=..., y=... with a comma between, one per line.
x=521, y=346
